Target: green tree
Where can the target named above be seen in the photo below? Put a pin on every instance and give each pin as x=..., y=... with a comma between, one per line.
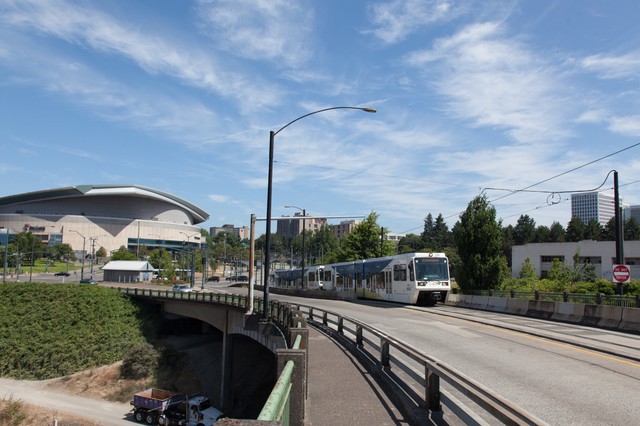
x=62, y=252
x=478, y=239
x=631, y=229
x=436, y=235
x=123, y=254
x=528, y=270
x=575, y=230
x=323, y=242
x=101, y=253
x=507, y=243
x=542, y=235
x=609, y=230
x=363, y=242
x=524, y=231
x=556, y=233
x=593, y=230
x=410, y=243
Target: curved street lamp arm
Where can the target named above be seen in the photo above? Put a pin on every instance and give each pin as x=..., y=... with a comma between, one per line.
x=366, y=109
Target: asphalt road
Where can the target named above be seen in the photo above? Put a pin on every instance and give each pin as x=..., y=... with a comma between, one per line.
x=562, y=378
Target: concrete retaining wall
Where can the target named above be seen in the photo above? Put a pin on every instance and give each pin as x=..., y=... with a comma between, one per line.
x=612, y=317
x=630, y=319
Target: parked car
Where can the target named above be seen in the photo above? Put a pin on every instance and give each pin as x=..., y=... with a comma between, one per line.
x=239, y=278
x=62, y=274
x=214, y=278
x=184, y=288
x=88, y=281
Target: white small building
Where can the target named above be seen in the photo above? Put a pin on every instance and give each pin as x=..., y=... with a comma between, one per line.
x=128, y=271
x=601, y=254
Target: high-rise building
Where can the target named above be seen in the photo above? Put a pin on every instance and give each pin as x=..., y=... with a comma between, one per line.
x=593, y=205
x=344, y=227
x=242, y=232
x=293, y=227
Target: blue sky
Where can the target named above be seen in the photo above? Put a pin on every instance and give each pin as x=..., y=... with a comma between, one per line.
x=472, y=97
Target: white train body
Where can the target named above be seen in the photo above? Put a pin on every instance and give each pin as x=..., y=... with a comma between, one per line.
x=413, y=278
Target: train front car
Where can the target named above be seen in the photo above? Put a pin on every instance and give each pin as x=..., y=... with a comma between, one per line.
x=431, y=275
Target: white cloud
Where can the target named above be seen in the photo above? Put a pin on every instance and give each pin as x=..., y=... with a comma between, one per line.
x=614, y=67
x=495, y=81
x=629, y=125
x=95, y=29
x=275, y=30
x=395, y=20
x=218, y=198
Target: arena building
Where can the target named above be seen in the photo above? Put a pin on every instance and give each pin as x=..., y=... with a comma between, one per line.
x=88, y=217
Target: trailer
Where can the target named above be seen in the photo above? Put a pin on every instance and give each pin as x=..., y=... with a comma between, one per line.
x=157, y=406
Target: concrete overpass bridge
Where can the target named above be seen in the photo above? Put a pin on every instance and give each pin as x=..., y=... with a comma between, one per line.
x=411, y=379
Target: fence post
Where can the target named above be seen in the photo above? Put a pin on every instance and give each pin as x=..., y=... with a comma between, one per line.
x=340, y=325
x=432, y=390
x=599, y=298
x=359, y=339
x=384, y=352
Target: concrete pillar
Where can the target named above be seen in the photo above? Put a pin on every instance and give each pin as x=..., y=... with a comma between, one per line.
x=227, y=359
x=298, y=382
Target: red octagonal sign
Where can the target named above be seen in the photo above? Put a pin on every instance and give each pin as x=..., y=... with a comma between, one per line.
x=621, y=273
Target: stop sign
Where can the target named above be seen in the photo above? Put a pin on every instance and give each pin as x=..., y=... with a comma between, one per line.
x=621, y=273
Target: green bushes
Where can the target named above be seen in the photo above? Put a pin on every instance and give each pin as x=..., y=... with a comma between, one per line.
x=51, y=330
x=139, y=362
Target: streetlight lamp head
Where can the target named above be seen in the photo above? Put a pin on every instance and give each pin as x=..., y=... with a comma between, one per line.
x=369, y=109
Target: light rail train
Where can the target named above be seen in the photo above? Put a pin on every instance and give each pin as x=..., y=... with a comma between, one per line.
x=414, y=278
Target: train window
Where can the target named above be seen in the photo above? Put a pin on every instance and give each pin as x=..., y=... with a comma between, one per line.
x=411, y=275
x=400, y=274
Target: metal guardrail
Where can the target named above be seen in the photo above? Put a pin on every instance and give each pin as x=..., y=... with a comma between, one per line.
x=587, y=299
x=419, y=374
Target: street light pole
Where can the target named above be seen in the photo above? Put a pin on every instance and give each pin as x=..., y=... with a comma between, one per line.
x=304, y=228
x=83, y=254
x=192, y=279
x=267, y=249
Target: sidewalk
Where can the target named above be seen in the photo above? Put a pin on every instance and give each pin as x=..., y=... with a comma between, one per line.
x=341, y=391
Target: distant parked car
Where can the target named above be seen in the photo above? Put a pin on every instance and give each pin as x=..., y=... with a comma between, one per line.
x=62, y=274
x=184, y=288
x=239, y=278
x=88, y=281
x=213, y=278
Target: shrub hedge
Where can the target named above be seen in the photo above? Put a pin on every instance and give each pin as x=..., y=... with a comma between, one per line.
x=51, y=330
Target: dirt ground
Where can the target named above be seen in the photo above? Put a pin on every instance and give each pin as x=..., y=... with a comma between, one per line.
x=105, y=383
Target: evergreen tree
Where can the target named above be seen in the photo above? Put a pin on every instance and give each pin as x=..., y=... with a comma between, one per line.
x=593, y=230
x=524, y=231
x=556, y=233
x=631, y=229
x=609, y=230
x=436, y=235
x=441, y=234
x=478, y=238
x=542, y=235
x=575, y=230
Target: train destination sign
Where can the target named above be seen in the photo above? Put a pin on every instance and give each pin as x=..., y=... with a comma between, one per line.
x=621, y=273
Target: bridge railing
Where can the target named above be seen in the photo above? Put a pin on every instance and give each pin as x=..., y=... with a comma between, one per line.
x=589, y=299
x=415, y=376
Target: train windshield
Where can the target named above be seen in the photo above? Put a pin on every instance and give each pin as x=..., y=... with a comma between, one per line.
x=432, y=269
